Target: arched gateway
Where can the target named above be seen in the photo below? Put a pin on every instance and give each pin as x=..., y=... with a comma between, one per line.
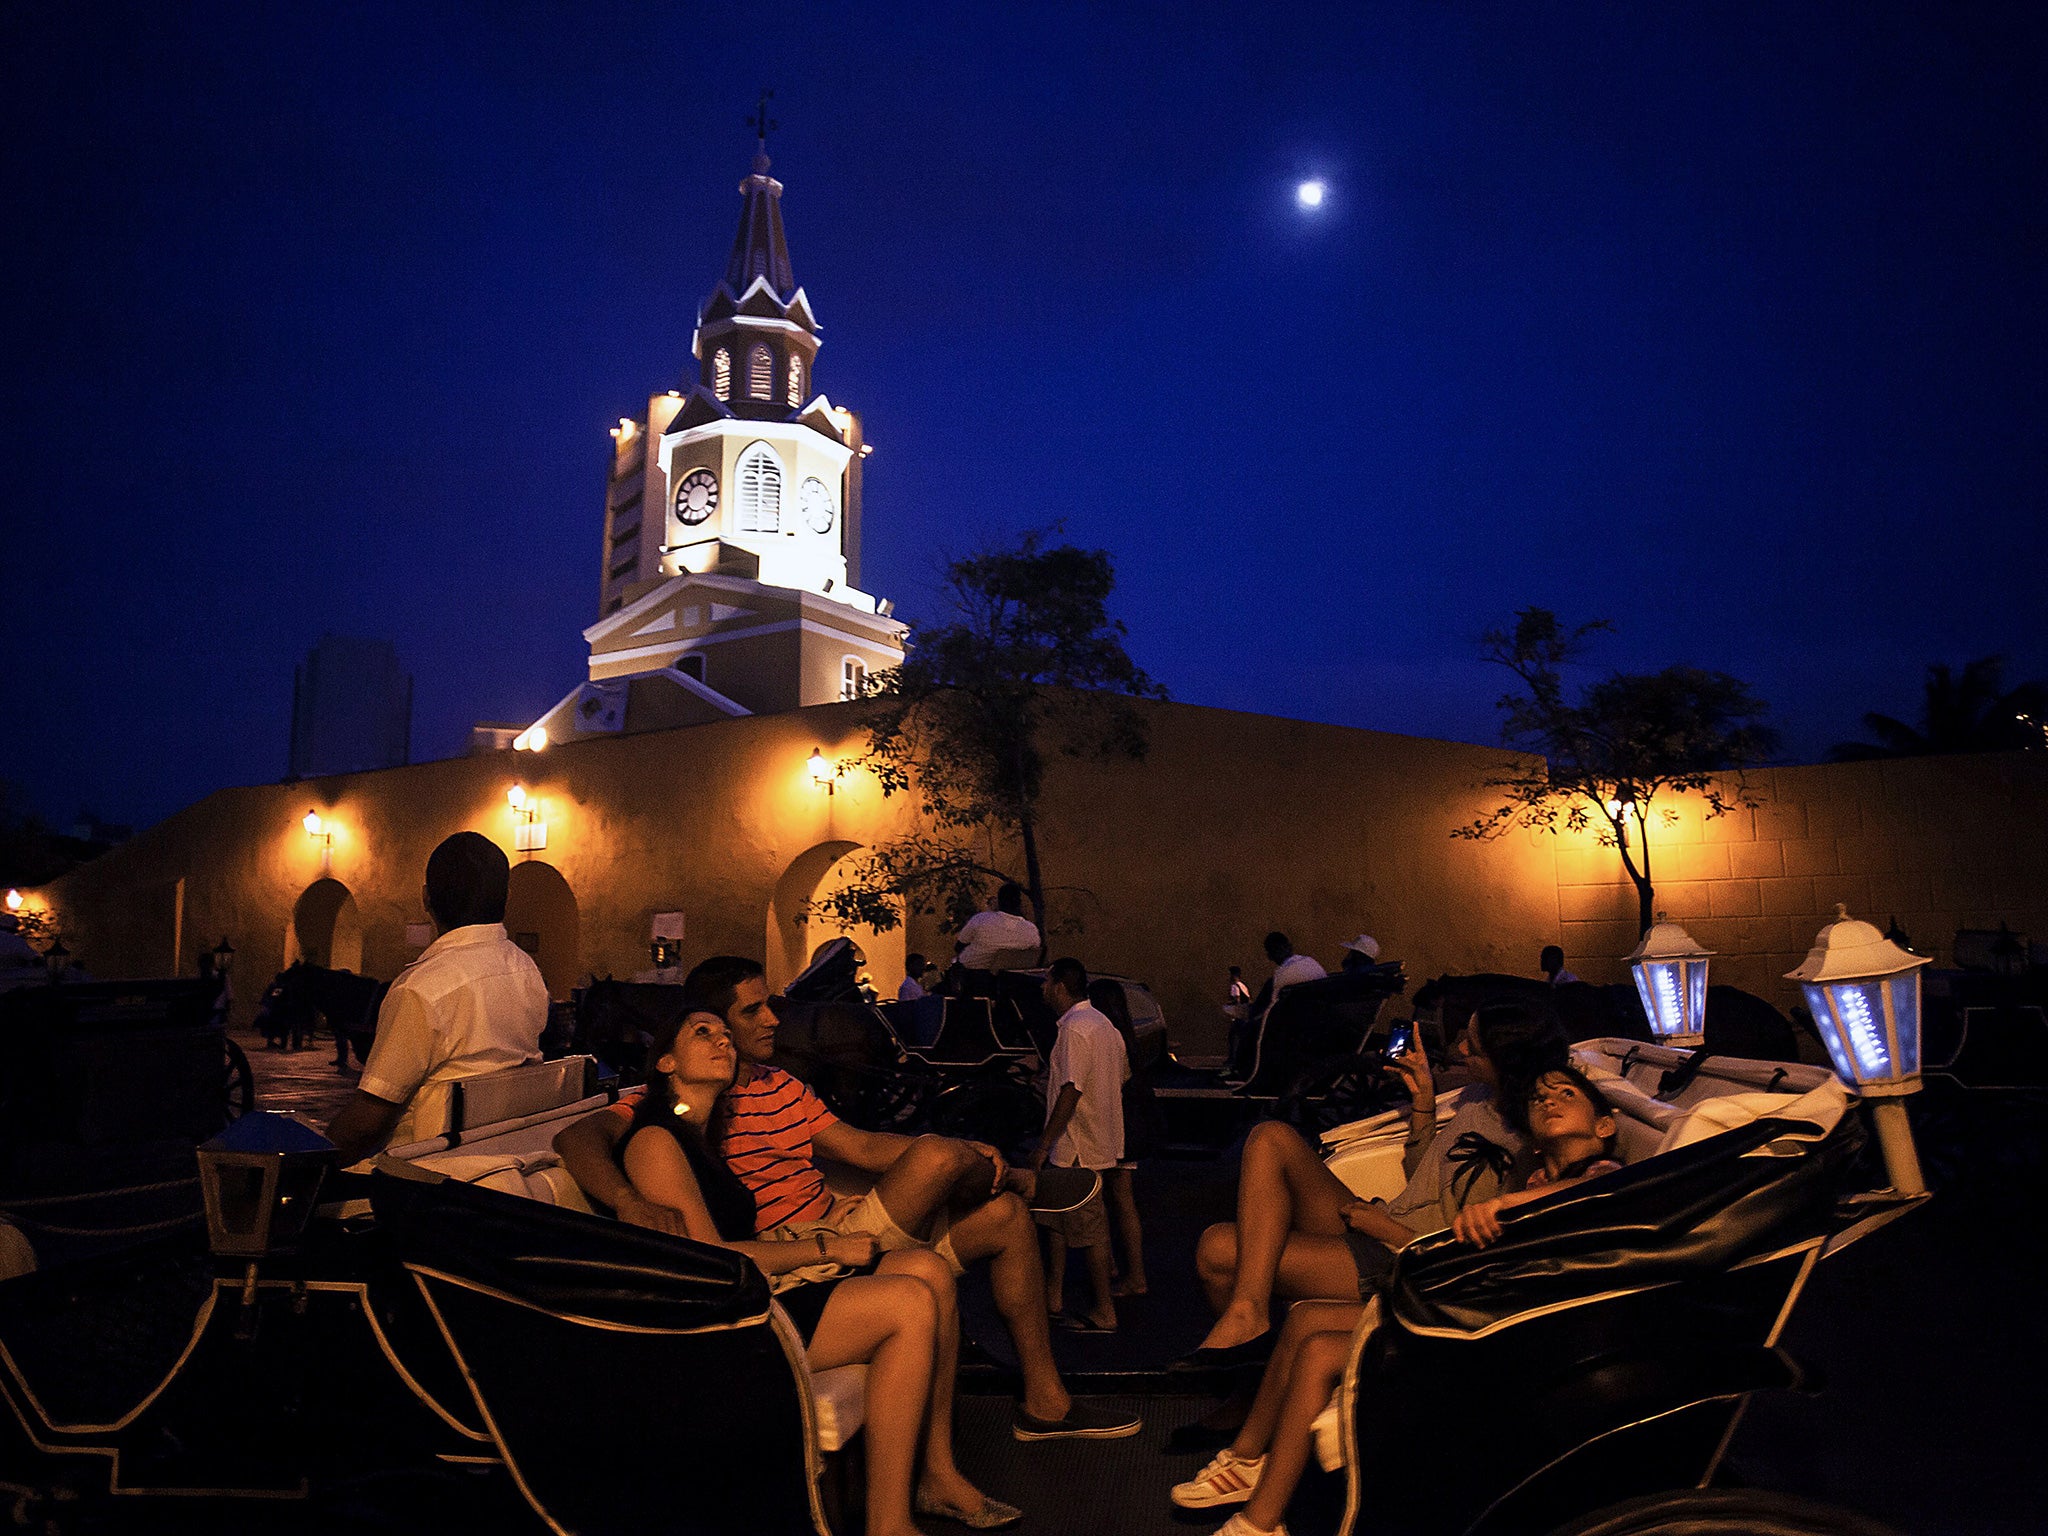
x=795, y=931
x=326, y=929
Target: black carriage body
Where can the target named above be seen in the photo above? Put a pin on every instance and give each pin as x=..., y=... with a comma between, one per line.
x=1604, y=1348
x=601, y=1366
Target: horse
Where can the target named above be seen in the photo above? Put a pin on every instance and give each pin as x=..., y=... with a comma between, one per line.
x=303, y=995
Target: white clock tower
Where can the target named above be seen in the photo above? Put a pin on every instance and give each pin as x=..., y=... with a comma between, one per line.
x=730, y=581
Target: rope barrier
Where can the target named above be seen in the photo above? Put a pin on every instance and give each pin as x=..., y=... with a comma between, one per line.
x=94, y=1194
x=134, y=1231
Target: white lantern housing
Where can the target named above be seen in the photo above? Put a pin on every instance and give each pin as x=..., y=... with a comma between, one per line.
x=1670, y=970
x=1864, y=993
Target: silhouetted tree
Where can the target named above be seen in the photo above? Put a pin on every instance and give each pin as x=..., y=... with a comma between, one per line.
x=1970, y=711
x=1631, y=738
x=1024, y=663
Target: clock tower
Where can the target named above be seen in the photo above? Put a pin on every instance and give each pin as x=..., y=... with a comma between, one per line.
x=730, y=575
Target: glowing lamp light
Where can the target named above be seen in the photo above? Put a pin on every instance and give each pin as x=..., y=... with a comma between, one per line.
x=1310, y=194
x=823, y=771
x=1670, y=970
x=314, y=826
x=1621, y=810
x=14, y=901
x=532, y=739
x=530, y=831
x=516, y=797
x=1864, y=994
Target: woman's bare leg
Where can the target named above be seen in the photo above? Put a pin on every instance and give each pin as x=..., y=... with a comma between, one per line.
x=941, y=1479
x=890, y=1323
x=1305, y=1320
x=1284, y=1193
x=1123, y=1204
x=1318, y=1367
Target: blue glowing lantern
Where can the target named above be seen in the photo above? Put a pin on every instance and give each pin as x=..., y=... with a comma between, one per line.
x=1864, y=994
x=1671, y=976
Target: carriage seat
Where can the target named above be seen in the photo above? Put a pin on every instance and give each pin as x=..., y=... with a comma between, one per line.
x=1727, y=1092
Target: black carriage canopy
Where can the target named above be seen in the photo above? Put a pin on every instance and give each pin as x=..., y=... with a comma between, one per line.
x=1695, y=1211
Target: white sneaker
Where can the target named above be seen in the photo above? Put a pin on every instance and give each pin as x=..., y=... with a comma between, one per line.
x=1229, y=1479
x=1237, y=1525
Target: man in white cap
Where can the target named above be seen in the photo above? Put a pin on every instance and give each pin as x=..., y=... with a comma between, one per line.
x=1360, y=954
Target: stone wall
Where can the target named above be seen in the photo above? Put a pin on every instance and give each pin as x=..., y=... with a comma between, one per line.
x=1169, y=870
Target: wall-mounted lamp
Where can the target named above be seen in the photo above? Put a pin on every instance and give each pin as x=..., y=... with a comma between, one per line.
x=56, y=959
x=223, y=957
x=530, y=829
x=14, y=901
x=532, y=739
x=321, y=830
x=823, y=771
x=1622, y=810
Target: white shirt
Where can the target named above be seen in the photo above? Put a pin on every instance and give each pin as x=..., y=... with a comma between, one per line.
x=910, y=991
x=1089, y=1054
x=472, y=1003
x=998, y=936
x=1293, y=971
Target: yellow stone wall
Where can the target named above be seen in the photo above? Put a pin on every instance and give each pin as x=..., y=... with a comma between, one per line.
x=1169, y=870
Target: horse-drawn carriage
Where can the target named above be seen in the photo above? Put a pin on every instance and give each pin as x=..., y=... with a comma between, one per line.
x=458, y=1316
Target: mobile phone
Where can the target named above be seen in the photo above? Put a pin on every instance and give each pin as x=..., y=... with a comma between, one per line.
x=1401, y=1038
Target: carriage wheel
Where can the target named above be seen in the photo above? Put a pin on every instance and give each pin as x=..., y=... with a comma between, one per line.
x=1723, y=1512
x=238, y=1083
x=1333, y=1092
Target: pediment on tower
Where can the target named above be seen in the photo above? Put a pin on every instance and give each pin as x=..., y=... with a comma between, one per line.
x=700, y=408
x=819, y=418
x=800, y=311
x=720, y=306
x=760, y=301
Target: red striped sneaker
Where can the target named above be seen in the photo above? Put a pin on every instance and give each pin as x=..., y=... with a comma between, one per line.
x=1229, y=1479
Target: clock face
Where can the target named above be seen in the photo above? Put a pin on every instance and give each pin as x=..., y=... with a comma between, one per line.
x=696, y=497
x=817, y=503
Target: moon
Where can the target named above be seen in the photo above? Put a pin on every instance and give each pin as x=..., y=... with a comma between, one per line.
x=1310, y=194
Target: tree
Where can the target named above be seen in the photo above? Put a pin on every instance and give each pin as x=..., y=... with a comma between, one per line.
x=1025, y=663
x=1632, y=739
x=1968, y=712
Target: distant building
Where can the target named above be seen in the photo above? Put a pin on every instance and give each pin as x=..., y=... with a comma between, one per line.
x=351, y=708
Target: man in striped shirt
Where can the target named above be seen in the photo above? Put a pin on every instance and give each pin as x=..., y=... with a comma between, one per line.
x=930, y=1191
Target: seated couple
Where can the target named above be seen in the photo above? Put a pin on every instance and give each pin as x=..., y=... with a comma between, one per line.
x=720, y=1148
x=1529, y=1124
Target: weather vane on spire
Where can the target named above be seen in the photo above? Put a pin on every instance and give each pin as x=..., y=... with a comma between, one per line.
x=762, y=124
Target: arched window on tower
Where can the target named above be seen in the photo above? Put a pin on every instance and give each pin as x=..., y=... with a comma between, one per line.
x=760, y=481
x=721, y=374
x=760, y=372
x=796, y=381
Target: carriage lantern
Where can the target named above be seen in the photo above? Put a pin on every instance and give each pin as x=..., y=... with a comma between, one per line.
x=1864, y=994
x=1671, y=975
x=259, y=1177
x=56, y=958
x=223, y=957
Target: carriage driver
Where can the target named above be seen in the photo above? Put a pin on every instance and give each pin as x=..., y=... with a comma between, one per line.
x=472, y=1003
x=930, y=1191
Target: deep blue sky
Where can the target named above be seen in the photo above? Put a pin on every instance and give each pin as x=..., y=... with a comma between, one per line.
x=1724, y=322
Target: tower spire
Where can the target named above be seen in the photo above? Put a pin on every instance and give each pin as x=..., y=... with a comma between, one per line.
x=759, y=249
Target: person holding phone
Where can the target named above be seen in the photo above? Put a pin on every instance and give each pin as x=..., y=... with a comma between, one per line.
x=1301, y=1234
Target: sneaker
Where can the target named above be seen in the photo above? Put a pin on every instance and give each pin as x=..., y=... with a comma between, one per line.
x=1237, y=1525
x=1229, y=1479
x=1081, y=1423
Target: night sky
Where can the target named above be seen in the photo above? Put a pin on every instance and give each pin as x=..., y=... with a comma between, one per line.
x=1723, y=322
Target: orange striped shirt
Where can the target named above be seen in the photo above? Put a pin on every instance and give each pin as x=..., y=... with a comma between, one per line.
x=768, y=1144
